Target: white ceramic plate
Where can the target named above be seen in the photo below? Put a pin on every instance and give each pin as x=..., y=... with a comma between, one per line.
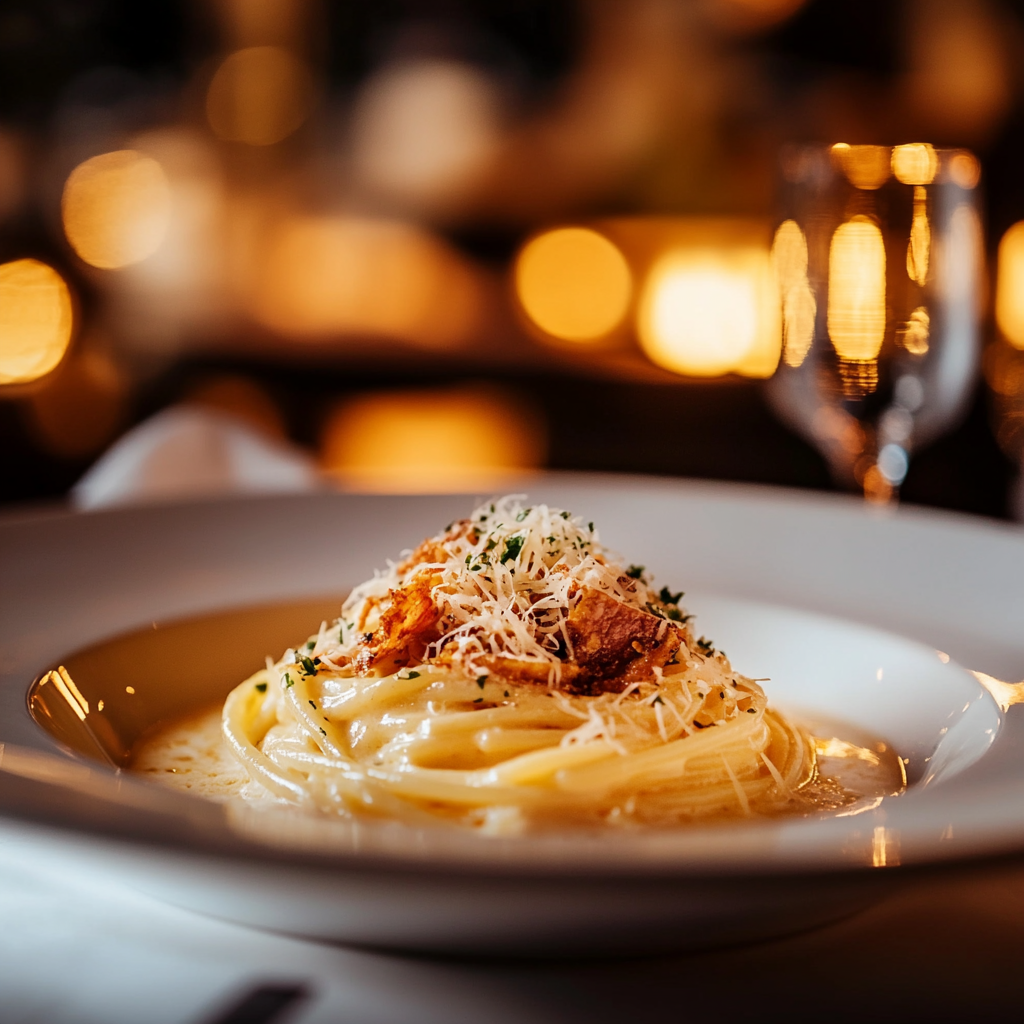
x=794, y=587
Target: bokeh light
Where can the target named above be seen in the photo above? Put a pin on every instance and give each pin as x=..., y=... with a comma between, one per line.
x=706, y=312
x=856, y=289
x=423, y=130
x=1010, y=285
x=965, y=169
x=259, y=95
x=322, y=277
x=866, y=167
x=915, y=163
x=178, y=294
x=36, y=320
x=573, y=284
x=799, y=307
x=431, y=440
x=919, y=247
x=914, y=335
x=116, y=208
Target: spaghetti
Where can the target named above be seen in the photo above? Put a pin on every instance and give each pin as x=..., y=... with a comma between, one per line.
x=511, y=672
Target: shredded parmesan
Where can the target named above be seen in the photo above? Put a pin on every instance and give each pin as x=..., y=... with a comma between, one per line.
x=504, y=581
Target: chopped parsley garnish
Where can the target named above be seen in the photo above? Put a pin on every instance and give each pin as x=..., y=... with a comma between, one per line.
x=262, y=687
x=751, y=711
x=479, y=700
x=667, y=597
x=481, y=681
x=310, y=644
x=412, y=675
x=312, y=703
x=565, y=515
x=288, y=681
x=636, y=572
x=707, y=648
x=506, y=693
x=590, y=526
x=323, y=730
x=512, y=547
x=522, y=515
x=675, y=615
x=309, y=665
x=657, y=700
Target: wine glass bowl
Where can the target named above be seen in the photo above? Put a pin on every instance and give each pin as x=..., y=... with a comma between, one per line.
x=878, y=258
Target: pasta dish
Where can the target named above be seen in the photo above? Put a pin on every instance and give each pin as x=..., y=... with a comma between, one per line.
x=512, y=672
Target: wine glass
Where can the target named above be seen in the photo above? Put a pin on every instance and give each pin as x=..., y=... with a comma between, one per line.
x=879, y=259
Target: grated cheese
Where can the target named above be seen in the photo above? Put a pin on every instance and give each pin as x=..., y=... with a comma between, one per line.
x=505, y=582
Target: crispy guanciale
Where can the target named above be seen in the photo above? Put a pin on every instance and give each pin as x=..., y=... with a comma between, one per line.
x=615, y=645
x=406, y=627
x=612, y=644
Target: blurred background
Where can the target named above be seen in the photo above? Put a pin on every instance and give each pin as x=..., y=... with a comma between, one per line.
x=425, y=244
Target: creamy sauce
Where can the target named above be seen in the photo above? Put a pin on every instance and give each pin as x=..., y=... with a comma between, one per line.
x=191, y=755
x=153, y=698
x=851, y=770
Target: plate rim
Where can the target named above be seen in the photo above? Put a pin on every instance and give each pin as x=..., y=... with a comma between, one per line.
x=730, y=492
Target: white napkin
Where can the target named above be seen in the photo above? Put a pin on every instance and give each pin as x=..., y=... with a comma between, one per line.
x=187, y=452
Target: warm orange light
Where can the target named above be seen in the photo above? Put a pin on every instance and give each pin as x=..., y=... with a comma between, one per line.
x=799, y=307
x=259, y=95
x=116, y=208
x=709, y=311
x=430, y=441
x=914, y=335
x=856, y=289
x=965, y=170
x=919, y=247
x=573, y=283
x=865, y=167
x=35, y=320
x=323, y=277
x=1010, y=285
x=915, y=163
x=1006, y=694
